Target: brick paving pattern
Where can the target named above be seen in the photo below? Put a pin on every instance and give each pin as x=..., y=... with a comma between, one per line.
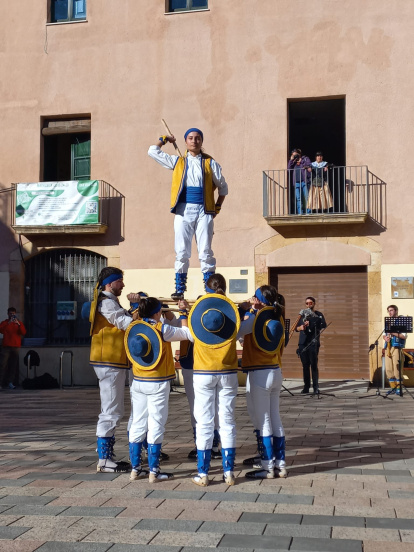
x=350, y=486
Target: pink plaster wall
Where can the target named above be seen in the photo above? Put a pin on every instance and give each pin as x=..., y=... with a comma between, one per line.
x=227, y=71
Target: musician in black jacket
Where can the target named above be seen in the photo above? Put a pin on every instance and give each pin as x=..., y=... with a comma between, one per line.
x=310, y=325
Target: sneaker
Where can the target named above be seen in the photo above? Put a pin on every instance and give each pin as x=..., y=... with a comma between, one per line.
x=137, y=474
x=164, y=456
x=11, y=386
x=192, y=455
x=281, y=473
x=397, y=391
x=158, y=475
x=261, y=474
x=252, y=461
x=201, y=480
x=228, y=477
x=108, y=466
x=176, y=296
x=216, y=454
x=305, y=391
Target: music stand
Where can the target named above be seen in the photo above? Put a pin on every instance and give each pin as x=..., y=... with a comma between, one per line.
x=399, y=324
x=287, y=330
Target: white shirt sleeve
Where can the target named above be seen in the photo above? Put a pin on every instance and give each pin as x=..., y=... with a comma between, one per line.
x=165, y=160
x=114, y=313
x=176, y=322
x=218, y=178
x=169, y=333
x=246, y=327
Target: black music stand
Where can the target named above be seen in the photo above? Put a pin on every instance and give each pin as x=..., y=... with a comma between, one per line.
x=399, y=324
x=287, y=330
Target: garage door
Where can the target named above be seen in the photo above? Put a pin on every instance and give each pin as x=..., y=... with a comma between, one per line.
x=342, y=296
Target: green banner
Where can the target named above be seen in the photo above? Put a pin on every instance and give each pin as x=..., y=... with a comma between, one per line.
x=57, y=203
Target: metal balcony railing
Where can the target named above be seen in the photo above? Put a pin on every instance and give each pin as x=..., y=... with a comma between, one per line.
x=350, y=193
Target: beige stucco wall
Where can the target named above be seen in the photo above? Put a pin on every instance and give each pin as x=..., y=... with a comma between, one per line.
x=230, y=71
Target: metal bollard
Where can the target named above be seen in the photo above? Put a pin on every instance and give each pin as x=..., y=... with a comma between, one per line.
x=29, y=367
x=62, y=354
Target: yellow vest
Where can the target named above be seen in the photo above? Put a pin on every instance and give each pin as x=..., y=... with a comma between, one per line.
x=107, y=346
x=255, y=359
x=164, y=370
x=178, y=180
x=208, y=360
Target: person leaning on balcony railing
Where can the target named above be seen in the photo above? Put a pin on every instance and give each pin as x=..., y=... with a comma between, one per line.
x=320, y=197
x=300, y=170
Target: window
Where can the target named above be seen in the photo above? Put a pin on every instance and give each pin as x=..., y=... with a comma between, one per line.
x=60, y=275
x=66, y=149
x=67, y=10
x=186, y=5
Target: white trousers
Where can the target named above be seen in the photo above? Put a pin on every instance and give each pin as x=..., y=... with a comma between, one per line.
x=189, y=390
x=249, y=402
x=265, y=386
x=112, y=391
x=130, y=380
x=211, y=391
x=150, y=411
x=190, y=220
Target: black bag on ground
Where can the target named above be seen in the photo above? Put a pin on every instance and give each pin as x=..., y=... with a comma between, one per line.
x=45, y=381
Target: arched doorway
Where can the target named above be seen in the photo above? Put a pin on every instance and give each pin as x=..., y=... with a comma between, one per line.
x=59, y=275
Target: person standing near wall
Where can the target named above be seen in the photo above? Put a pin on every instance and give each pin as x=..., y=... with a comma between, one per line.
x=311, y=324
x=394, y=343
x=13, y=330
x=109, y=360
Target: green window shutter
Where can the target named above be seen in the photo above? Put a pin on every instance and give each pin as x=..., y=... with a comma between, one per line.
x=81, y=158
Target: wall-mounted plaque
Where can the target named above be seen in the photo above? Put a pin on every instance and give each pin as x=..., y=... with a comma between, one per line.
x=238, y=286
x=402, y=288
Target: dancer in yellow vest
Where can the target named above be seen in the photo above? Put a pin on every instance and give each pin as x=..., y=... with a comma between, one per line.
x=196, y=176
x=108, y=358
x=148, y=349
x=262, y=352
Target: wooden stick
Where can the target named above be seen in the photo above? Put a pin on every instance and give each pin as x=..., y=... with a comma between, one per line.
x=171, y=134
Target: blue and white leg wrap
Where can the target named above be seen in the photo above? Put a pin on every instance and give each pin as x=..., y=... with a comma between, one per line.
x=135, y=450
x=154, y=452
x=206, y=276
x=229, y=457
x=203, y=461
x=279, y=444
x=180, y=282
x=105, y=447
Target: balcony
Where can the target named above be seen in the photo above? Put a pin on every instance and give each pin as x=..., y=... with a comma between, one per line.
x=349, y=195
x=65, y=207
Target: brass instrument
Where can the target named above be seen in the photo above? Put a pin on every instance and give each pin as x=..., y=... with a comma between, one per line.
x=293, y=328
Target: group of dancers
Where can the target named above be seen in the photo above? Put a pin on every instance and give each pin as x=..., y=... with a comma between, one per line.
x=138, y=342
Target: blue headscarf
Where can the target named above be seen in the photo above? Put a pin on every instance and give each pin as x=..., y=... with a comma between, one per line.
x=194, y=130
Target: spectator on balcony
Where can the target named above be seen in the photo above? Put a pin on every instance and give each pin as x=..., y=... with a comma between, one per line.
x=300, y=171
x=320, y=197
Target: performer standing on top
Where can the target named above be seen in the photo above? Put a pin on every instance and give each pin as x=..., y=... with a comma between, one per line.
x=196, y=175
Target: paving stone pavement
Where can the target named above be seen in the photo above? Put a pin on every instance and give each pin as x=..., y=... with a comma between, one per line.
x=350, y=486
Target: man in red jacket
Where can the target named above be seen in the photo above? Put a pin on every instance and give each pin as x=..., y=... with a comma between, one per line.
x=12, y=330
